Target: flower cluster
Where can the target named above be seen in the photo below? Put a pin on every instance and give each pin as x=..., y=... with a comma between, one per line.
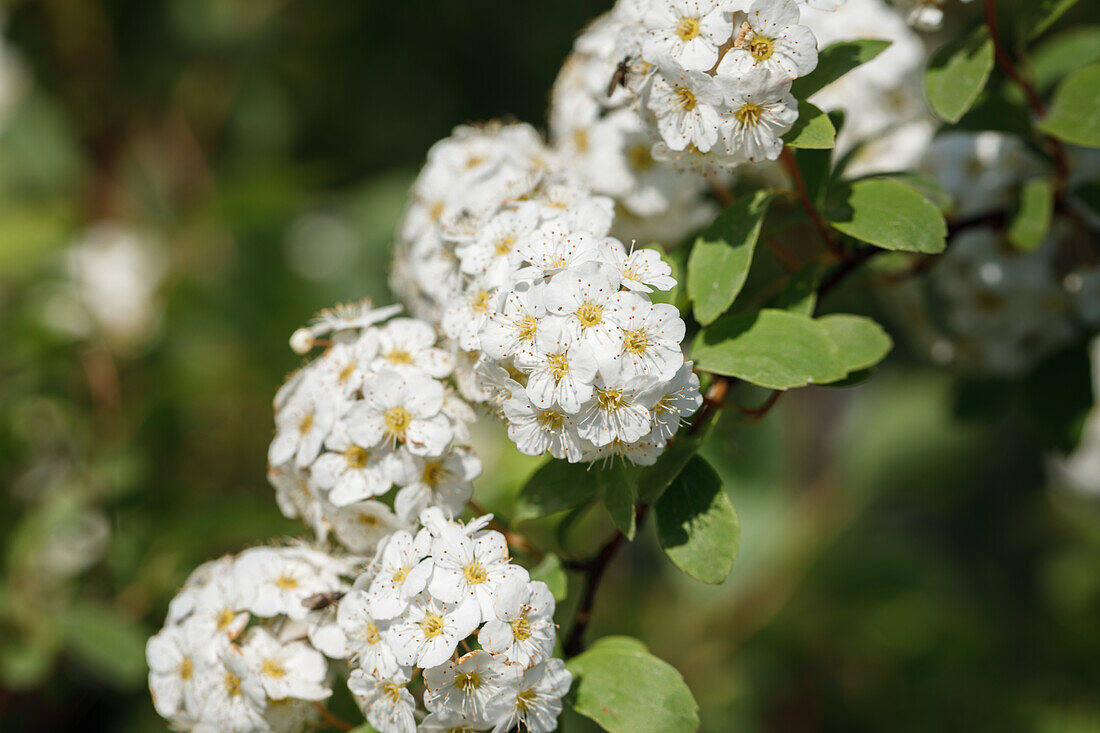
x=713, y=77
x=416, y=608
x=371, y=412
x=607, y=145
x=1002, y=308
x=551, y=315
x=240, y=649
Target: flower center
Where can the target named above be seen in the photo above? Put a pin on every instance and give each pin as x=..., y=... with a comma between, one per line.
x=525, y=700
x=640, y=157
x=356, y=457
x=436, y=211
x=273, y=669
x=761, y=48
x=186, y=668
x=609, y=400
x=346, y=372
x=687, y=29
x=393, y=692
x=527, y=328
x=371, y=634
x=550, y=420
x=748, y=114
x=521, y=628
x=558, y=366
x=636, y=341
x=580, y=140
x=467, y=681
x=480, y=303
x=285, y=582
x=306, y=423
x=400, y=575
x=504, y=245
x=474, y=573
x=225, y=618
x=432, y=625
x=433, y=473
x=685, y=98
x=368, y=520
x=397, y=421
x=590, y=314
x=474, y=161
x=232, y=684
x=399, y=356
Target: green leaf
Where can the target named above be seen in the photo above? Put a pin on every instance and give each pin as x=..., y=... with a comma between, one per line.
x=554, y=487
x=771, y=348
x=625, y=689
x=834, y=61
x=890, y=215
x=800, y=295
x=617, y=490
x=551, y=572
x=927, y=185
x=861, y=342
x=1032, y=220
x=363, y=728
x=812, y=129
x=1075, y=113
x=1057, y=56
x=696, y=523
x=999, y=107
x=720, y=259
x=109, y=644
x=675, y=261
x=1038, y=15
x=958, y=73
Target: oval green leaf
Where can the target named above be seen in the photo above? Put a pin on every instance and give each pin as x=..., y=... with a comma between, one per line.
x=1075, y=114
x=958, y=73
x=696, y=523
x=813, y=129
x=888, y=214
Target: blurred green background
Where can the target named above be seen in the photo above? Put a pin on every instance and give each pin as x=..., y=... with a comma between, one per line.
x=183, y=182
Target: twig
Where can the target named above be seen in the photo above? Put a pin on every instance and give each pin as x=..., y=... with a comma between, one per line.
x=758, y=412
x=331, y=719
x=515, y=539
x=1034, y=101
x=804, y=198
x=712, y=400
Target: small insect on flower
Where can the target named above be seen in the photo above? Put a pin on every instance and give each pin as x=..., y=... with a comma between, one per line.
x=618, y=79
x=321, y=601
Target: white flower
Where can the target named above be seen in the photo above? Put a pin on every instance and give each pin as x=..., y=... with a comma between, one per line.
x=344, y=366
x=537, y=430
x=385, y=700
x=616, y=411
x=175, y=662
x=351, y=472
x=427, y=633
x=771, y=39
x=561, y=368
x=523, y=630
x=444, y=481
x=583, y=296
x=476, y=688
x=642, y=270
x=670, y=403
x=537, y=703
x=686, y=104
x=232, y=700
x=512, y=331
x=686, y=31
x=468, y=569
x=362, y=525
x=292, y=670
x=218, y=609
x=761, y=110
x=493, y=255
x=301, y=428
x=651, y=336
x=399, y=575
x=408, y=342
x=402, y=407
x=554, y=247
x=464, y=315
x=365, y=645
x=643, y=452
x=276, y=581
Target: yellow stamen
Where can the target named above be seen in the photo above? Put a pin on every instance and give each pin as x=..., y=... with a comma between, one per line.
x=688, y=29
x=397, y=421
x=636, y=341
x=761, y=48
x=186, y=669
x=432, y=625
x=558, y=365
x=525, y=699
x=306, y=423
x=748, y=114
x=285, y=582
x=232, y=684
x=590, y=314
x=527, y=328
x=399, y=356
x=467, y=681
x=434, y=472
x=474, y=573
x=521, y=628
x=356, y=457
x=273, y=669
x=685, y=98
x=550, y=420
x=609, y=400
x=504, y=245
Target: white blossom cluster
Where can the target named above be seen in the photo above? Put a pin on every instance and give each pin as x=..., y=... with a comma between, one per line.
x=241, y=650
x=418, y=609
x=370, y=413
x=602, y=140
x=713, y=77
x=1002, y=309
x=551, y=315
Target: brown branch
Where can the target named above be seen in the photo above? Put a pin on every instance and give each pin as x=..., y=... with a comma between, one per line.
x=515, y=539
x=759, y=412
x=712, y=400
x=1034, y=101
x=718, y=189
x=804, y=198
x=331, y=719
